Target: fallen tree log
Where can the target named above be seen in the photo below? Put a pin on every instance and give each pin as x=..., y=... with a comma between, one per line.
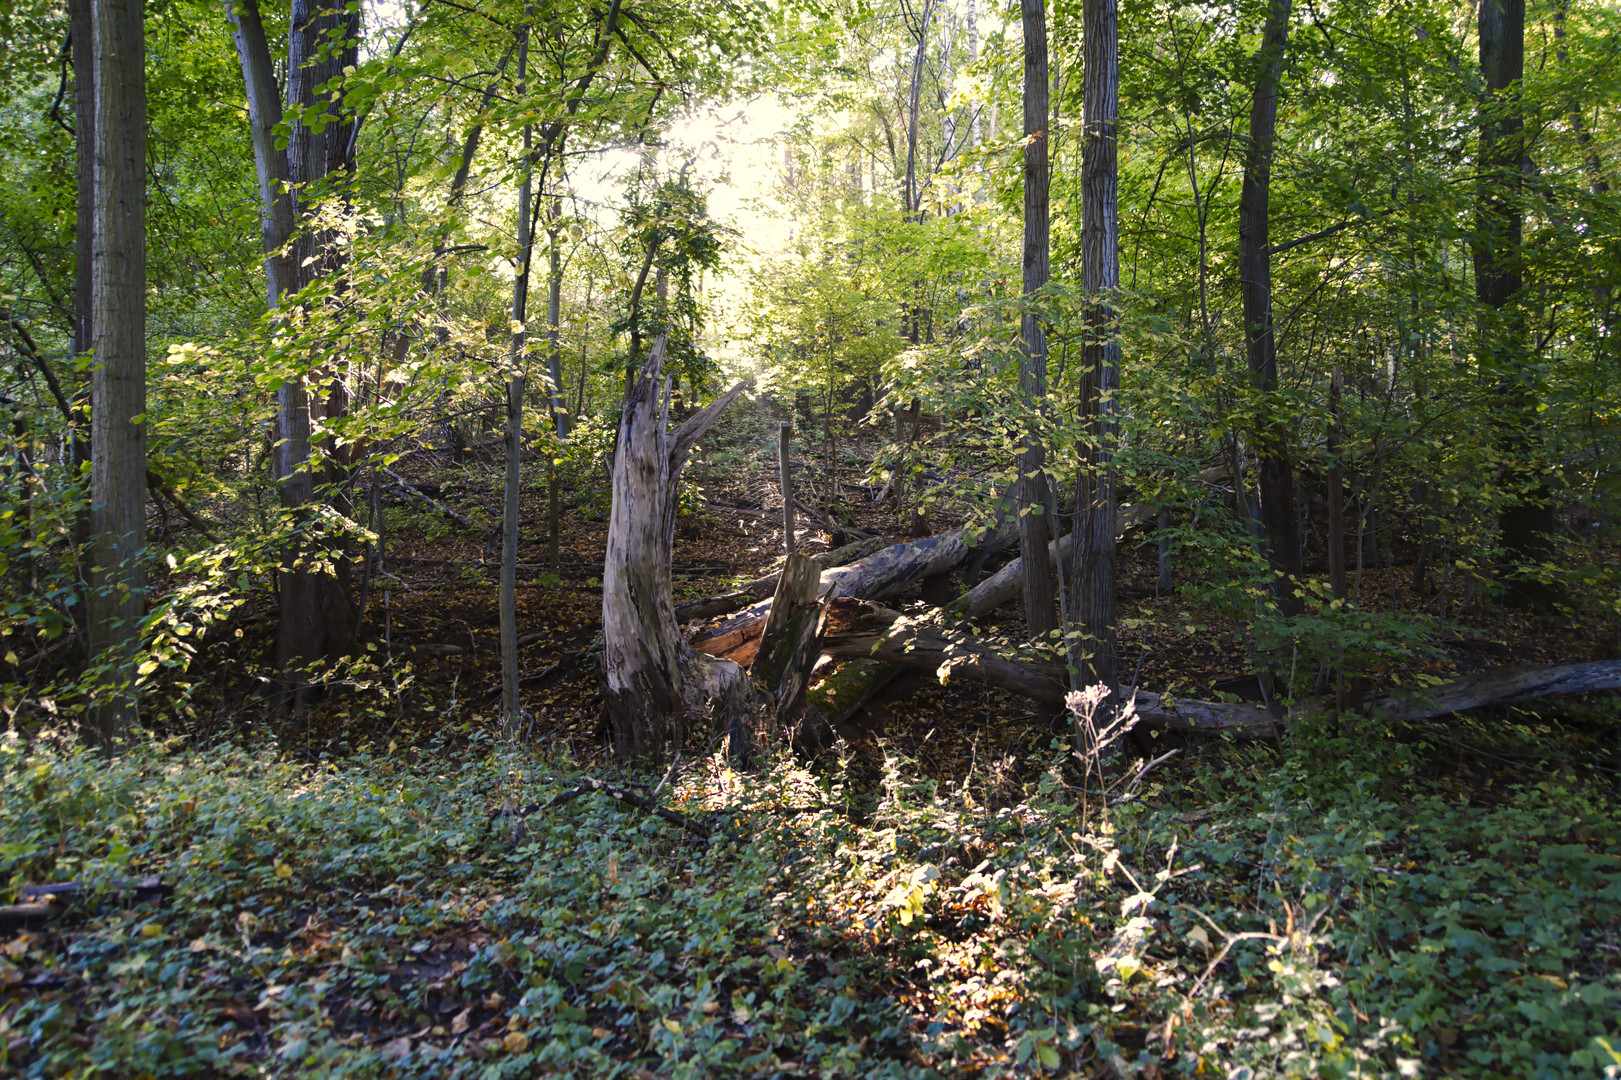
x=1006, y=583
x=41, y=903
x=881, y=575
x=763, y=587
x=868, y=630
x=1503, y=686
x=405, y=487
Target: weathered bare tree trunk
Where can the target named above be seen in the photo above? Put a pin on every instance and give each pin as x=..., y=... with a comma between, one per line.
x=1260, y=346
x=661, y=695
x=1092, y=577
x=507, y=603
x=1040, y=613
x=118, y=315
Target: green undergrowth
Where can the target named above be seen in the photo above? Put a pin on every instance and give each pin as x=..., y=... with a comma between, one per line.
x=1319, y=912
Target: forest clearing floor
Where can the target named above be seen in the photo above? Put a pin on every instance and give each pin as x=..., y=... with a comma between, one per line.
x=379, y=887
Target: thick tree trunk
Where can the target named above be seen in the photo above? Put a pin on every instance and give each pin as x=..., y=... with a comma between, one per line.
x=661, y=695
x=316, y=614
x=1035, y=530
x=117, y=599
x=1092, y=577
x=1260, y=346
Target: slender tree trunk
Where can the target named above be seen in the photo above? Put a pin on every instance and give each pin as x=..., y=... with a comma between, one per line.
x=84, y=116
x=1092, y=581
x=511, y=707
x=554, y=370
x=118, y=315
x=1526, y=521
x=1034, y=530
x=84, y=113
x=1276, y=483
x=1336, y=494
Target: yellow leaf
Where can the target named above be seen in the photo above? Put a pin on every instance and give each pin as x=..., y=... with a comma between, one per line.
x=516, y=1042
x=672, y=1026
x=152, y=930
x=283, y=871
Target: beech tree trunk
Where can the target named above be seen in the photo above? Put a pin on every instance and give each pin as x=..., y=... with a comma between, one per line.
x=1260, y=346
x=1092, y=577
x=661, y=695
x=317, y=616
x=1040, y=613
x=117, y=599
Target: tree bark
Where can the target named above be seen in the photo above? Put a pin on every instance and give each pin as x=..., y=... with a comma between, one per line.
x=1276, y=481
x=766, y=586
x=1034, y=528
x=785, y=476
x=1336, y=493
x=1526, y=520
x=887, y=573
x=117, y=599
x=1092, y=580
x=317, y=617
x=795, y=596
x=511, y=707
x=660, y=694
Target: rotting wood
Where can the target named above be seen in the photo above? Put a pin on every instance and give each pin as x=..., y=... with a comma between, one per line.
x=659, y=693
x=1004, y=585
x=794, y=600
x=884, y=574
x=864, y=629
x=760, y=588
x=41, y=903
x=805, y=641
x=404, y=485
x=847, y=691
x=1502, y=686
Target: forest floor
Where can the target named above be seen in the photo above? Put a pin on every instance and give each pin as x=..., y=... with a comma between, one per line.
x=380, y=887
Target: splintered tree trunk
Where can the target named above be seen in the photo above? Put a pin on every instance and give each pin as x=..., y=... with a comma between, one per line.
x=661, y=695
x=887, y=573
x=118, y=315
x=1260, y=345
x=1040, y=613
x=1092, y=582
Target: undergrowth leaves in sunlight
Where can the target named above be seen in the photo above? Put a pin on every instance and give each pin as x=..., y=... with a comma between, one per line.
x=1314, y=915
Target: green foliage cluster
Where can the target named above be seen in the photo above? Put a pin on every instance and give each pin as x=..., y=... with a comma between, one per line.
x=1326, y=913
